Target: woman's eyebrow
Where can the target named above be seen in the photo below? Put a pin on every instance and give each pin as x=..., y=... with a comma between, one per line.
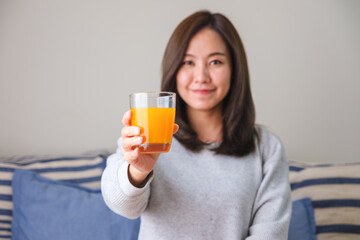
x=216, y=53
x=210, y=55
x=189, y=55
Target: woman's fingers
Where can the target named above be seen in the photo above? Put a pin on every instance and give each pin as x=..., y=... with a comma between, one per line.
x=176, y=128
x=129, y=144
x=132, y=156
x=129, y=149
x=130, y=131
x=127, y=118
x=130, y=138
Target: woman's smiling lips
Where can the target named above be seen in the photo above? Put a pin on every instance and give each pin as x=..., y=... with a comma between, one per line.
x=203, y=91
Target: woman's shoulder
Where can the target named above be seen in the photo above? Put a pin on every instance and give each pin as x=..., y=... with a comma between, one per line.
x=269, y=142
x=267, y=135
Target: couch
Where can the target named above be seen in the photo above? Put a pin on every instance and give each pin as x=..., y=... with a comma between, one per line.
x=59, y=197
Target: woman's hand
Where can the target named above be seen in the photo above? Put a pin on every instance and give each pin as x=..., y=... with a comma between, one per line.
x=140, y=164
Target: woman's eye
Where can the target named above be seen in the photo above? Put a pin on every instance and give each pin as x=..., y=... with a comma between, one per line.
x=187, y=63
x=215, y=62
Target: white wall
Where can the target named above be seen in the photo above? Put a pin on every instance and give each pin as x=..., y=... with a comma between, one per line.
x=67, y=67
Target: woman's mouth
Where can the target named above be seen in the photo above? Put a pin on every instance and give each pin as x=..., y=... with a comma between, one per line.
x=203, y=91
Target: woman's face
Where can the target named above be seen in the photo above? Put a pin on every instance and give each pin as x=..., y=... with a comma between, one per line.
x=203, y=80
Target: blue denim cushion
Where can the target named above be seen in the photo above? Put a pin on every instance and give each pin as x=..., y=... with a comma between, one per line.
x=47, y=209
x=302, y=223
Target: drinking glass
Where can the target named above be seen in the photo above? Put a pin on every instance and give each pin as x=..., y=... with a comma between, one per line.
x=154, y=113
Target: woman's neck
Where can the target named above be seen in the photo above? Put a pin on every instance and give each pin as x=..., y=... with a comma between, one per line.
x=207, y=124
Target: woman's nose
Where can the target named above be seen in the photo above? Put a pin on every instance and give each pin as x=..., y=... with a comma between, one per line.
x=201, y=74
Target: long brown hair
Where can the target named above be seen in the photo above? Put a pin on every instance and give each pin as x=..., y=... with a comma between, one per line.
x=239, y=131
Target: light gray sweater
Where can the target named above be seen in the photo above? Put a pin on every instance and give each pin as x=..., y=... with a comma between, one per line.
x=206, y=196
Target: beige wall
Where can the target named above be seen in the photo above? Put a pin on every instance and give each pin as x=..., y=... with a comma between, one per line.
x=67, y=67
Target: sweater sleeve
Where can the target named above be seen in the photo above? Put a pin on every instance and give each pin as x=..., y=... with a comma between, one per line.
x=272, y=207
x=119, y=194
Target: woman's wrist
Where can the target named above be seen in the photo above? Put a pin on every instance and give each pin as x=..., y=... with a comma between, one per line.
x=136, y=177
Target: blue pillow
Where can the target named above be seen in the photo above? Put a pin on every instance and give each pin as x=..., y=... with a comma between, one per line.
x=302, y=223
x=47, y=209
x=82, y=169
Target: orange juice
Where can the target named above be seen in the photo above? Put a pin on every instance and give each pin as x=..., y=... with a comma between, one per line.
x=157, y=125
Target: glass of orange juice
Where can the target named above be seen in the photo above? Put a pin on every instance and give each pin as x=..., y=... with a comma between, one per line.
x=154, y=113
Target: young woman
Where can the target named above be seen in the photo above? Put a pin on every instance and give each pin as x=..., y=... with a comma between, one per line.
x=224, y=177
